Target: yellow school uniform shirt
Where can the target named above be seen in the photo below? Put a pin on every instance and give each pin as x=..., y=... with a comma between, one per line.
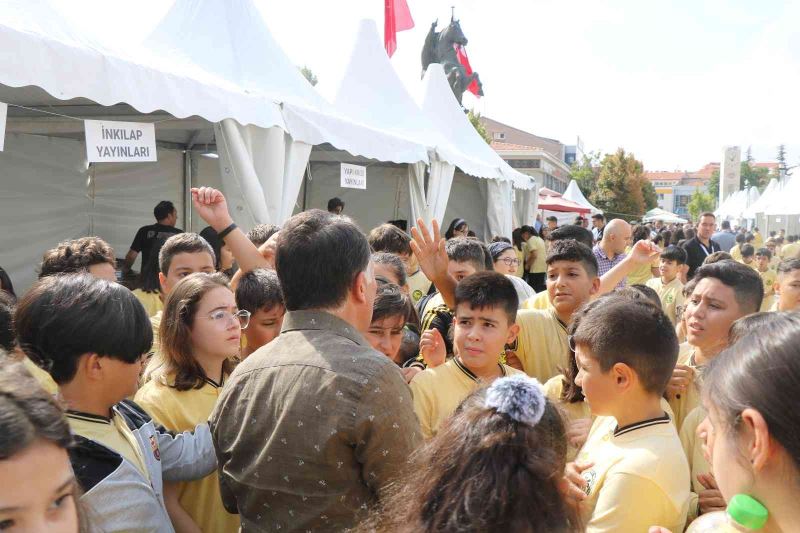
x=670, y=294
x=150, y=300
x=181, y=411
x=641, y=274
x=418, y=286
x=640, y=477
x=542, y=343
x=40, y=376
x=112, y=433
x=438, y=391
x=758, y=240
x=693, y=449
x=521, y=258
x=571, y=411
x=736, y=253
x=540, y=301
x=789, y=251
x=768, y=278
x=686, y=401
x=155, y=323
x=539, y=264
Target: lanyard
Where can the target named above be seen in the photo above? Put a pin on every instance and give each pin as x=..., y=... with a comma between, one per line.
x=703, y=247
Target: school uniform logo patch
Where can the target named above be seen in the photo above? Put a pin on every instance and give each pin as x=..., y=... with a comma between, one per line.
x=417, y=294
x=154, y=447
x=590, y=476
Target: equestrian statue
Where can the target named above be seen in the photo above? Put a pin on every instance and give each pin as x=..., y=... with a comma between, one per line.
x=442, y=47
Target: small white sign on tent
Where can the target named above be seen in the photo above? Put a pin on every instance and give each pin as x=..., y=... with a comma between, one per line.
x=120, y=142
x=353, y=176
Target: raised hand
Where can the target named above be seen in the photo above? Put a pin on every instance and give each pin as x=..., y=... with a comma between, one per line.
x=429, y=250
x=432, y=348
x=210, y=204
x=644, y=251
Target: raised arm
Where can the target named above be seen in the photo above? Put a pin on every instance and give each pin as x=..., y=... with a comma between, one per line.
x=642, y=253
x=433, y=259
x=210, y=204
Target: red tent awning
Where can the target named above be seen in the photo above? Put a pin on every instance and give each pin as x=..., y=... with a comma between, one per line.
x=554, y=203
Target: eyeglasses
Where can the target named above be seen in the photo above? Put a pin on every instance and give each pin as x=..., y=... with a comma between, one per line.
x=223, y=317
x=571, y=343
x=510, y=261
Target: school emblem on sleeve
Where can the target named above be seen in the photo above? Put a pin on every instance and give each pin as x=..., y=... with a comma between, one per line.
x=668, y=299
x=417, y=294
x=154, y=447
x=590, y=476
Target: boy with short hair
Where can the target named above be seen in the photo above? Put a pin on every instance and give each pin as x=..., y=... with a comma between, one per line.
x=181, y=255
x=723, y=293
x=259, y=292
x=571, y=281
x=486, y=308
x=87, y=254
x=748, y=255
x=465, y=257
x=668, y=285
x=92, y=335
x=632, y=469
x=787, y=286
x=768, y=276
x=391, y=239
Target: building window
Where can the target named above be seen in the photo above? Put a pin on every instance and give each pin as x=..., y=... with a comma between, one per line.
x=498, y=136
x=660, y=196
x=524, y=163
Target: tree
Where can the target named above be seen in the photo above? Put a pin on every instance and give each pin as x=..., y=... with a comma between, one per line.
x=713, y=184
x=699, y=203
x=620, y=186
x=475, y=118
x=753, y=176
x=649, y=194
x=309, y=75
x=585, y=173
x=781, y=158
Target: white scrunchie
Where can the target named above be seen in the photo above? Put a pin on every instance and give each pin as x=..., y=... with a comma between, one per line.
x=518, y=396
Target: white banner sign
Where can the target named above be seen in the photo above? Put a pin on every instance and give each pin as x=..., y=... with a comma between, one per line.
x=120, y=142
x=3, y=114
x=354, y=176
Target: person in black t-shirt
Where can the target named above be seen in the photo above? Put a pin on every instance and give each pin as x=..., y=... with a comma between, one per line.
x=149, y=239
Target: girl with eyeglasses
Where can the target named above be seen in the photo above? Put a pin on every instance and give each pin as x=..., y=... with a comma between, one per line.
x=504, y=258
x=200, y=333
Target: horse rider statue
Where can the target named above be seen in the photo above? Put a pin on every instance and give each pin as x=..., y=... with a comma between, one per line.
x=441, y=47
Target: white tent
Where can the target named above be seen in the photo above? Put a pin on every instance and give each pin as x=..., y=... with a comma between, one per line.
x=663, y=216
x=573, y=193
x=231, y=40
x=763, y=201
x=786, y=202
x=494, y=194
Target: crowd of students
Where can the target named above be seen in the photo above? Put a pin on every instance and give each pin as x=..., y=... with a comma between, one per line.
x=561, y=380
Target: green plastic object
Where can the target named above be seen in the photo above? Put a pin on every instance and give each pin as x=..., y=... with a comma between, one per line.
x=747, y=512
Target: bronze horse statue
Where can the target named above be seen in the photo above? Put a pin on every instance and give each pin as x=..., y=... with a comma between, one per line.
x=440, y=47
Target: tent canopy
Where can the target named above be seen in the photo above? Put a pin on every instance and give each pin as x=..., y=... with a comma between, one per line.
x=664, y=216
x=764, y=200
x=573, y=193
x=554, y=203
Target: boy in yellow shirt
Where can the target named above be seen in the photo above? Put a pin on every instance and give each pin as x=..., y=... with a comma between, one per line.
x=736, y=251
x=571, y=281
x=669, y=286
x=723, y=293
x=787, y=286
x=631, y=473
x=748, y=255
x=768, y=276
x=486, y=307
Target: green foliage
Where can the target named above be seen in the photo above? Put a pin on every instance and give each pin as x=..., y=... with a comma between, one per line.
x=752, y=176
x=475, y=118
x=649, y=194
x=700, y=202
x=309, y=75
x=620, y=186
x=585, y=173
x=713, y=184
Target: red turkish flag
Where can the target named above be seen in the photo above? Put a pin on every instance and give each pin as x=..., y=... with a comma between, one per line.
x=397, y=17
x=461, y=54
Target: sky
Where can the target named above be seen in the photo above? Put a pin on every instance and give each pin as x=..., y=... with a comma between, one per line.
x=672, y=82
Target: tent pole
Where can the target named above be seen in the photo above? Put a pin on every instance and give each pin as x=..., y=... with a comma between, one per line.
x=187, y=189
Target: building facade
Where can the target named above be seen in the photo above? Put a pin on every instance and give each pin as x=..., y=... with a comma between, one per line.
x=542, y=158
